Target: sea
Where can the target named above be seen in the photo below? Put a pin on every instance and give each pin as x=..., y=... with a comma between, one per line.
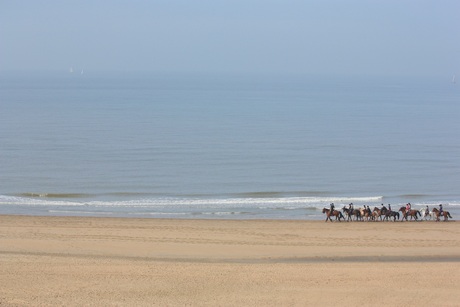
x=225, y=146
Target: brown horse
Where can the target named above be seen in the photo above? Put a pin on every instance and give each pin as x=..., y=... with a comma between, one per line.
x=412, y=213
x=338, y=215
x=366, y=214
x=445, y=214
x=377, y=213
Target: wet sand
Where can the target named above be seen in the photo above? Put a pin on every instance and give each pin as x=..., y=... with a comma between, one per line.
x=72, y=261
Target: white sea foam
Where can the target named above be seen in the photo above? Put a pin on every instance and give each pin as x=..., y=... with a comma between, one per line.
x=285, y=203
x=232, y=208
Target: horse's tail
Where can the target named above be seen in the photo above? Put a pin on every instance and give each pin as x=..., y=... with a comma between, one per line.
x=448, y=213
x=418, y=213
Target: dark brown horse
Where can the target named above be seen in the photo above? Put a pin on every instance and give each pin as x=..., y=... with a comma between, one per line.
x=350, y=213
x=389, y=214
x=338, y=215
x=412, y=213
x=444, y=214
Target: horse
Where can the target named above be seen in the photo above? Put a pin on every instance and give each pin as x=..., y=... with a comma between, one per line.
x=412, y=213
x=391, y=214
x=445, y=214
x=356, y=213
x=377, y=213
x=365, y=214
x=425, y=214
x=338, y=215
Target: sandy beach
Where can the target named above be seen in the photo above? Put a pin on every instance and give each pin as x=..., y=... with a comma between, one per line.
x=74, y=261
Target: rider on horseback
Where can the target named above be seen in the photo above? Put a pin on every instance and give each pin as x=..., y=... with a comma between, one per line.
x=427, y=211
x=440, y=209
x=332, y=207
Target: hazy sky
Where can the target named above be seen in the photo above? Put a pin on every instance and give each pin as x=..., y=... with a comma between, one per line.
x=251, y=36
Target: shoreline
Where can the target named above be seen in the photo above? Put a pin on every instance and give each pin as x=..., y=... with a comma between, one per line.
x=125, y=261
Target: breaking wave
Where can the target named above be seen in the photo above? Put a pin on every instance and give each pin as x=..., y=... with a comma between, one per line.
x=238, y=202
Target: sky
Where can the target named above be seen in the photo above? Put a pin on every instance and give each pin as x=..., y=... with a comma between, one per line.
x=354, y=37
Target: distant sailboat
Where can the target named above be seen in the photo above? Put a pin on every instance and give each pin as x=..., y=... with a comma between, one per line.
x=81, y=73
x=71, y=70
x=453, y=79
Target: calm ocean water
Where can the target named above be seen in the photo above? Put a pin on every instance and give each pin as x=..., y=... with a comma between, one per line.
x=219, y=146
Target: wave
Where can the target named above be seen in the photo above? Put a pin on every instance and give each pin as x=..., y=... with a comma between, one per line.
x=242, y=202
x=54, y=195
x=85, y=195
x=190, y=204
x=206, y=208
x=73, y=212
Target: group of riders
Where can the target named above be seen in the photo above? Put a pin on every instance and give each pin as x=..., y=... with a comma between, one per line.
x=386, y=212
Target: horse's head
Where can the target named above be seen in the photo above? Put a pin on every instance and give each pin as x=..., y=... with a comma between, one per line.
x=325, y=210
x=402, y=209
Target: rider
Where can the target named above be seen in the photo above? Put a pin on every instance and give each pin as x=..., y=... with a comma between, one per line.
x=389, y=207
x=332, y=207
x=440, y=209
x=350, y=207
x=407, y=210
x=408, y=207
x=427, y=210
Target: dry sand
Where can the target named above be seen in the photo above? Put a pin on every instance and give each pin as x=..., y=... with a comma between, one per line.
x=73, y=261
